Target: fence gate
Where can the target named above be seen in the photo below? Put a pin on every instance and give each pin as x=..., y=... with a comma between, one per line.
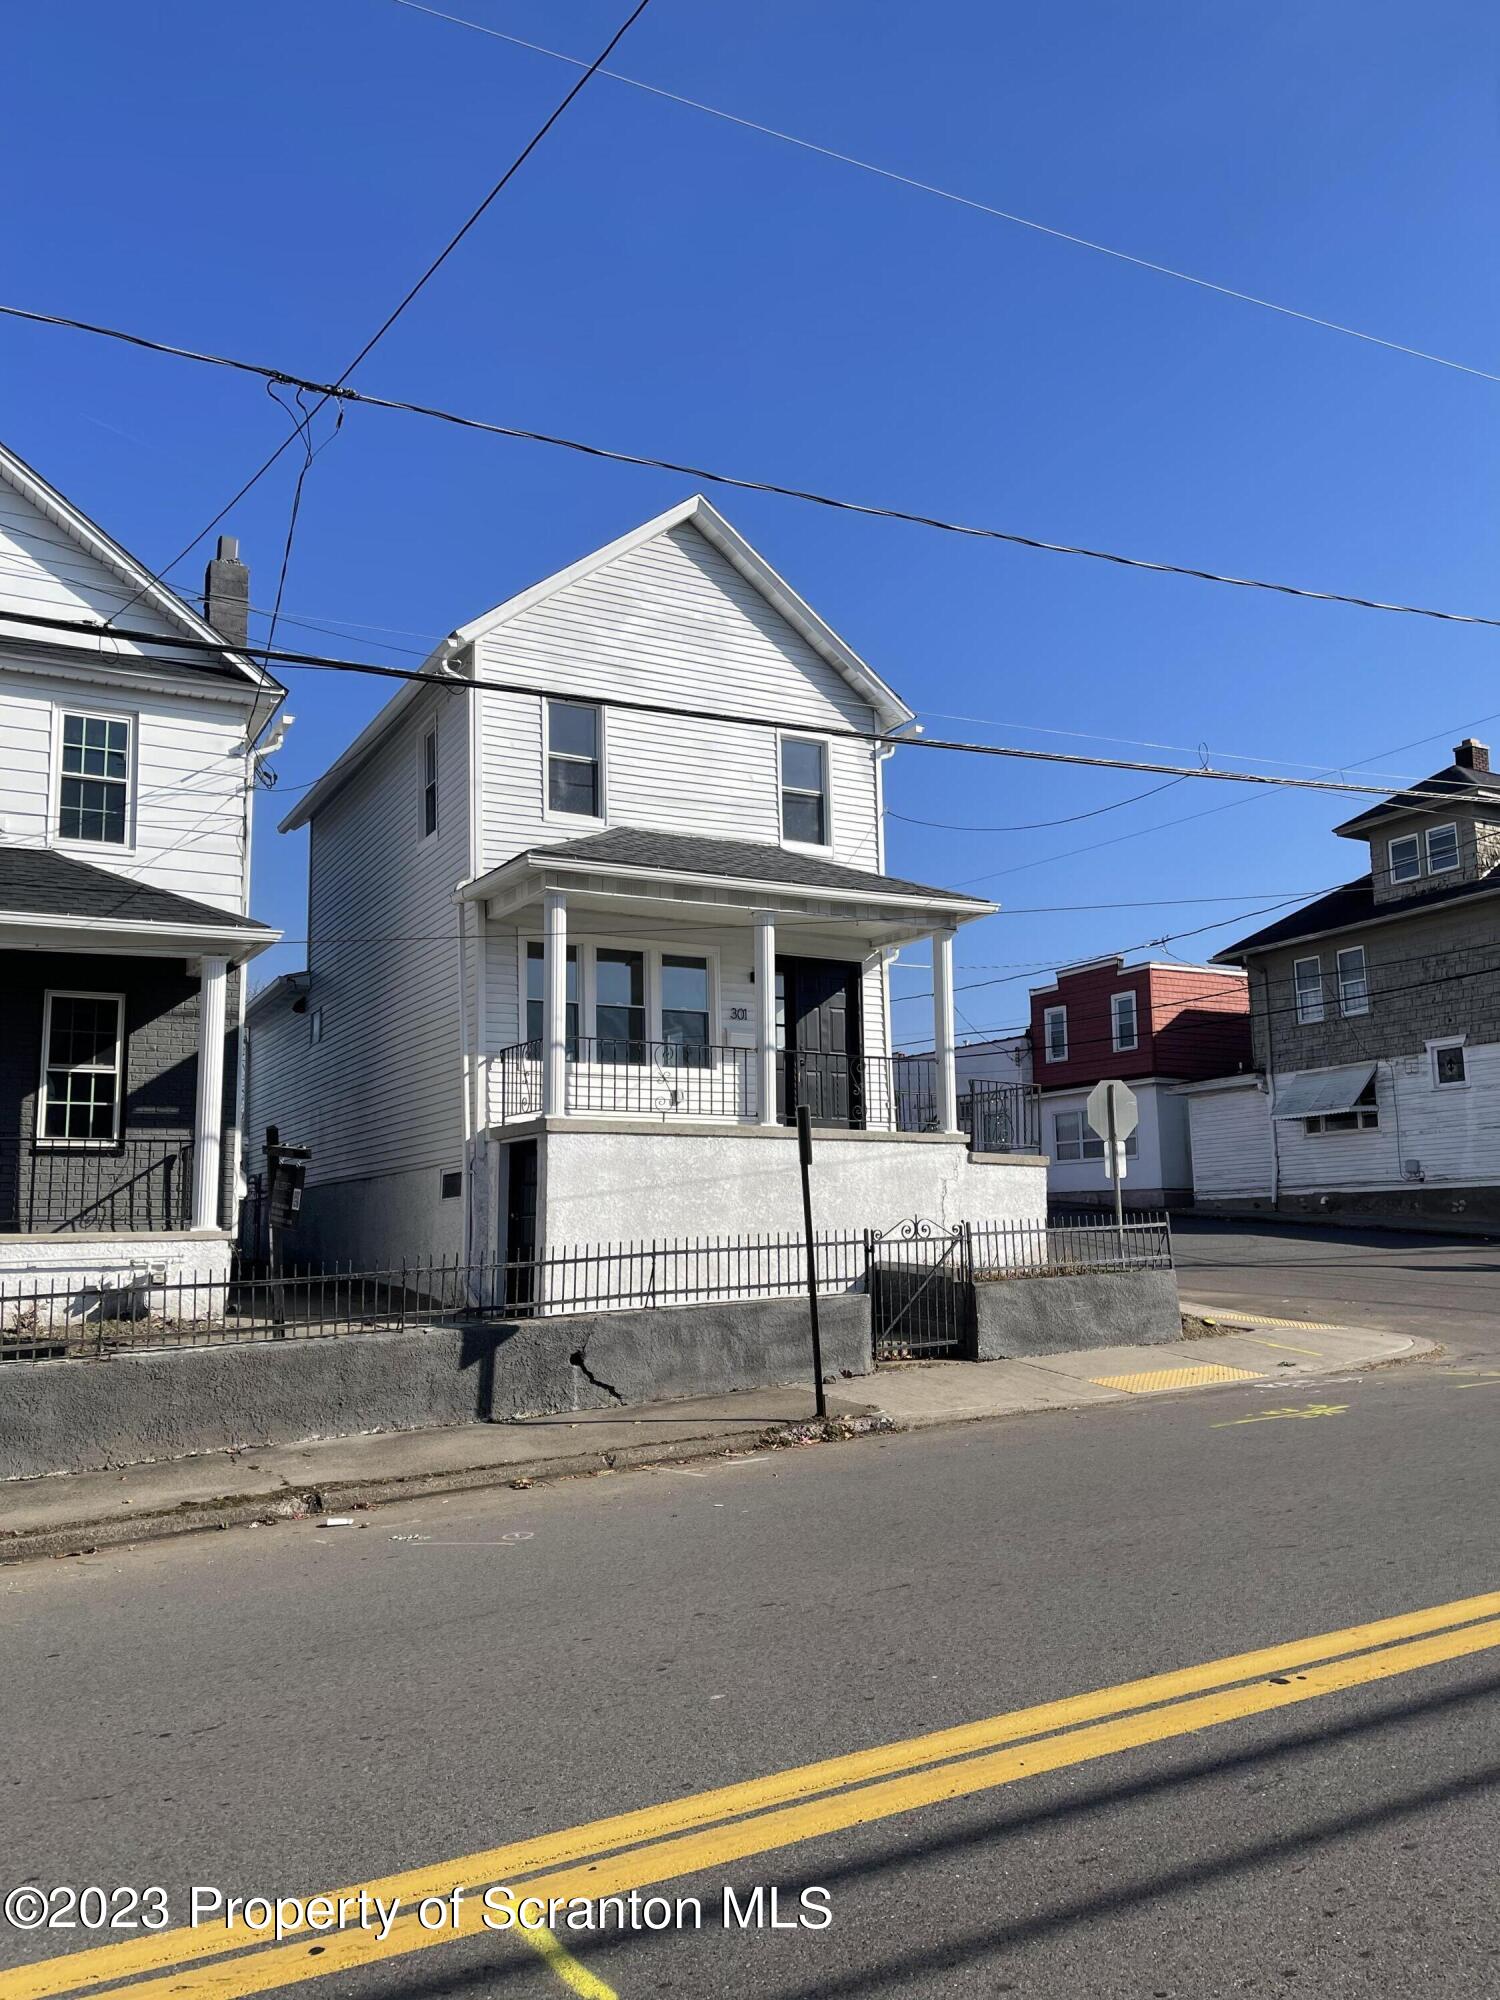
x=921, y=1278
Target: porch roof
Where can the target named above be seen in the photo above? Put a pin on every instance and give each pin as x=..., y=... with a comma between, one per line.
x=60, y=902
x=730, y=874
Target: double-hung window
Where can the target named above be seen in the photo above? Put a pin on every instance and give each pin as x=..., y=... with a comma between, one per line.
x=536, y=977
x=1404, y=858
x=573, y=760
x=1055, y=1034
x=1354, y=982
x=83, y=1036
x=1073, y=1139
x=429, y=801
x=1442, y=850
x=1307, y=978
x=620, y=1005
x=1124, y=1033
x=93, y=799
x=804, y=791
x=684, y=1011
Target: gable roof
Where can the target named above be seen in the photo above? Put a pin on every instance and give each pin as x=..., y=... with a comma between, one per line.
x=708, y=522
x=140, y=582
x=1457, y=782
x=1347, y=907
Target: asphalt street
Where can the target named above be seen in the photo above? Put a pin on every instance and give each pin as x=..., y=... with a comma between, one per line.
x=293, y=1709
x=1444, y=1288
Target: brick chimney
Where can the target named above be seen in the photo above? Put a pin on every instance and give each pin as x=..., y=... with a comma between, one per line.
x=226, y=592
x=1471, y=756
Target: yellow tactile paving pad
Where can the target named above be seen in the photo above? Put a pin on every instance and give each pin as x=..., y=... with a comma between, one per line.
x=1175, y=1378
x=1266, y=1319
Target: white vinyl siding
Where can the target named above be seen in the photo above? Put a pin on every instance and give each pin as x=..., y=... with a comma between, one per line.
x=1451, y=1135
x=43, y=569
x=276, y=1047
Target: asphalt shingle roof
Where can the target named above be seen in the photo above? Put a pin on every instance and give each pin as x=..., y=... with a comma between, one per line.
x=1458, y=782
x=743, y=860
x=41, y=882
x=1354, y=903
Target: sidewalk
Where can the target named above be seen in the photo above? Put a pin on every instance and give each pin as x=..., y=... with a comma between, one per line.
x=84, y=1511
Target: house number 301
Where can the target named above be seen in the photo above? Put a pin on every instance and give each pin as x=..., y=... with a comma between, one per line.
x=739, y=1013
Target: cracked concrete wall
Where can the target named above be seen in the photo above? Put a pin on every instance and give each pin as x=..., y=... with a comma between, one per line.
x=1018, y=1316
x=72, y=1416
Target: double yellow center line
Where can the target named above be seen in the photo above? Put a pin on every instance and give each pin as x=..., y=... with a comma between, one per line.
x=707, y=1831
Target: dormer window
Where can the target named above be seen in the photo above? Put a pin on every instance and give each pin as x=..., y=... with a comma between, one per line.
x=1442, y=849
x=1404, y=858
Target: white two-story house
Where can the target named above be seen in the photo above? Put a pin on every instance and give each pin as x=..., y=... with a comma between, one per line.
x=590, y=919
x=125, y=771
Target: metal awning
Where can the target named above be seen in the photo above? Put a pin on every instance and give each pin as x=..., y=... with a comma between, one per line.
x=1327, y=1091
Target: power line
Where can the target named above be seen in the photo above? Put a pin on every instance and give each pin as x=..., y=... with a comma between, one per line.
x=1033, y=825
x=970, y=202
x=865, y=510
x=326, y=393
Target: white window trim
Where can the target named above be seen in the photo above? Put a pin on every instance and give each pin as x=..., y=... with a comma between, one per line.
x=1047, y=1014
x=1449, y=1042
x=1316, y=1127
x=1347, y=1011
x=1313, y=995
x=1087, y=1136
x=314, y=1027
x=1449, y=867
x=1401, y=840
x=825, y=744
x=1125, y=1048
x=588, y=821
x=429, y=735
x=39, y=1136
x=55, y=835
x=652, y=952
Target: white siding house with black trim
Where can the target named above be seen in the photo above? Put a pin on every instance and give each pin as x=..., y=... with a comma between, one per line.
x=125, y=765
x=592, y=916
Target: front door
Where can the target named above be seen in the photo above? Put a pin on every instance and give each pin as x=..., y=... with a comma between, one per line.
x=819, y=1040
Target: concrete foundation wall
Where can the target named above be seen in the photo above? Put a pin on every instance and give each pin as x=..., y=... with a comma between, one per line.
x=64, y=1416
x=1019, y=1316
x=376, y=1222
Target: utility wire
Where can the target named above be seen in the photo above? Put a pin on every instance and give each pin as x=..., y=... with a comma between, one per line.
x=1033, y=825
x=865, y=510
x=326, y=392
x=969, y=201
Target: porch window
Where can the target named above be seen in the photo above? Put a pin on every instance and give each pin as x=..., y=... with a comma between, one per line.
x=1405, y=858
x=684, y=1011
x=536, y=976
x=620, y=1006
x=1307, y=978
x=82, y=1039
x=1354, y=981
x=1122, y=1022
x=1055, y=1034
x=1442, y=850
x=94, y=789
x=1073, y=1140
x=804, y=791
x=573, y=759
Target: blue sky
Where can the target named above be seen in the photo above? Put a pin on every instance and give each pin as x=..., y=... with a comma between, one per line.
x=267, y=181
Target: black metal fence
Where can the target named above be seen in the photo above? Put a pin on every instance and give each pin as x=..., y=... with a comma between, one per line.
x=95, y=1317
x=53, y=1187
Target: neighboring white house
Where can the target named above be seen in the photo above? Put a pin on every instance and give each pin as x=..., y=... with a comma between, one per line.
x=1158, y=1165
x=577, y=956
x=125, y=771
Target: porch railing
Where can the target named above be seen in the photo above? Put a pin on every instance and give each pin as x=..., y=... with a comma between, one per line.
x=139, y=1184
x=613, y=1075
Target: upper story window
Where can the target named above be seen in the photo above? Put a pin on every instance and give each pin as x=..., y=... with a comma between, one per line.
x=535, y=988
x=1450, y=1068
x=83, y=1038
x=429, y=819
x=1124, y=1033
x=574, y=784
x=1442, y=849
x=1354, y=981
x=93, y=801
x=1055, y=1034
x=804, y=791
x=1404, y=857
x=1307, y=978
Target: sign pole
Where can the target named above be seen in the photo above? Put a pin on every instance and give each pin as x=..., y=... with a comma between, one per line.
x=1115, y=1144
x=804, y=1157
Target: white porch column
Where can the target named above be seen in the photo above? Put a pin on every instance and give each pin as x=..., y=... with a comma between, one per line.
x=942, y=1031
x=765, y=1019
x=554, y=1004
x=207, y=1150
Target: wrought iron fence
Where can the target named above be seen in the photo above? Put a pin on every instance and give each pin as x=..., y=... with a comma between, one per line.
x=1063, y=1247
x=137, y=1184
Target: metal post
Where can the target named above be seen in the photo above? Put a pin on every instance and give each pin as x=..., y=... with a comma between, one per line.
x=1114, y=1174
x=804, y=1156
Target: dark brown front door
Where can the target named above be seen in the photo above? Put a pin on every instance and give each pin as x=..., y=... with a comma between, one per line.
x=818, y=1018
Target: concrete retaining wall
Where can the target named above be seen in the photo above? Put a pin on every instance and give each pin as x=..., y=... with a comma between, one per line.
x=1017, y=1316
x=76, y=1416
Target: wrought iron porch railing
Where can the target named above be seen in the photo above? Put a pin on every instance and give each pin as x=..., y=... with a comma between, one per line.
x=137, y=1184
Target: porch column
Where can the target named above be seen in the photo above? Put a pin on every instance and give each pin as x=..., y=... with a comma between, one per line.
x=946, y=1079
x=765, y=1019
x=554, y=1004
x=212, y=990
